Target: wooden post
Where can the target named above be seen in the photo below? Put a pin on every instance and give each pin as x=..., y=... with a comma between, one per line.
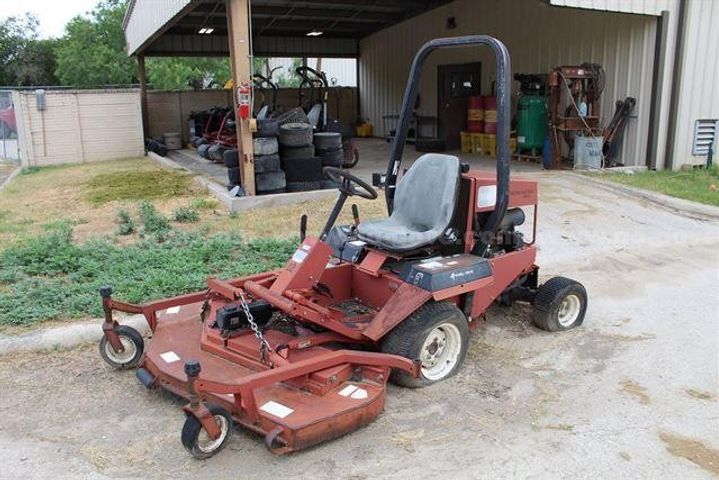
x=143, y=94
x=238, y=29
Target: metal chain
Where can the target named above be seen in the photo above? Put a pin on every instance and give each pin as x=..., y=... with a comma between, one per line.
x=264, y=345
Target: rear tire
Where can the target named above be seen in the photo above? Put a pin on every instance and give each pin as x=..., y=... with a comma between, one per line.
x=132, y=342
x=195, y=439
x=560, y=304
x=438, y=335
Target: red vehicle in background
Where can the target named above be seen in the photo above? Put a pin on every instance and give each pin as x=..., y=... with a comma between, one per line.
x=7, y=122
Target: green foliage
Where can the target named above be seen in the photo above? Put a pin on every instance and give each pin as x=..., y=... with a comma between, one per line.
x=126, y=226
x=204, y=203
x=699, y=184
x=50, y=277
x=92, y=52
x=185, y=215
x=137, y=185
x=30, y=170
x=154, y=222
x=185, y=73
x=24, y=59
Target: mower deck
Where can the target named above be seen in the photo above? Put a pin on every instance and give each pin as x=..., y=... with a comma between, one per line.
x=295, y=412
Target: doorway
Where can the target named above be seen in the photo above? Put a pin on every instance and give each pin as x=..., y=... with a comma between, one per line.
x=455, y=84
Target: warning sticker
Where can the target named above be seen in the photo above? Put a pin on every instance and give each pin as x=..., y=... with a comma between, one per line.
x=169, y=357
x=347, y=391
x=173, y=309
x=276, y=409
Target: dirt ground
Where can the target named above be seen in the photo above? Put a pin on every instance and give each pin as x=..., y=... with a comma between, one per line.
x=630, y=394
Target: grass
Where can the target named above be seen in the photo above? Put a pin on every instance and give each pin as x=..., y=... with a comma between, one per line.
x=58, y=245
x=50, y=277
x=699, y=185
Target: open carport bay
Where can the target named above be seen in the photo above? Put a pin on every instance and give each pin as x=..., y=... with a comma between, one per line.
x=632, y=393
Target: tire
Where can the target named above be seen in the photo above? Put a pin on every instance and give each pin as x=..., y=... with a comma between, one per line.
x=267, y=128
x=233, y=175
x=270, y=181
x=134, y=346
x=560, y=304
x=432, y=322
x=305, y=151
x=202, y=150
x=264, y=146
x=303, y=169
x=295, y=134
x=267, y=163
x=231, y=158
x=430, y=145
x=333, y=159
x=199, y=141
x=294, y=115
x=304, y=186
x=196, y=441
x=215, y=152
x=327, y=140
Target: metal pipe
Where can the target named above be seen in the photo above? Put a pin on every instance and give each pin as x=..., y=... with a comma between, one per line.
x=503, y=82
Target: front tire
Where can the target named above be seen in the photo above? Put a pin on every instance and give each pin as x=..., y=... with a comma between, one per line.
x=560, y=304
x=195, y=438
x=133, y=344
x=438, y=335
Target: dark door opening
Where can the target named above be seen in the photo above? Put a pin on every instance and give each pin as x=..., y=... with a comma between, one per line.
x=455, y=83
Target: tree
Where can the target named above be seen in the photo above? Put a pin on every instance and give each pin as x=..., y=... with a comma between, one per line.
x=184, y=73
x=25, y=60
x=92, y=52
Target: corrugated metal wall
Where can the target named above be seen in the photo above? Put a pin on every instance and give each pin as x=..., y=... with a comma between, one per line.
x=144, y=18
x=646, y=7
x=79, y=126
x=538, y=36
x=698, y=95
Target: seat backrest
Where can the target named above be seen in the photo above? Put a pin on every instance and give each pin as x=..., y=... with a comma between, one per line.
x=427, y=195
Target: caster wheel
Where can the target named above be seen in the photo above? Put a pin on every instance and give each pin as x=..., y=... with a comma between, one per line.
x=132, y=342
x=560, y=304
x=196, y=440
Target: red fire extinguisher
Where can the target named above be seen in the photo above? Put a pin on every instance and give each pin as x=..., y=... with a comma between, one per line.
x=243, y=100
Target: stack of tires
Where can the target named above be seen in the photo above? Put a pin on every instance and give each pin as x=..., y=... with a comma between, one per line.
x=328, y=146
x=269, y=177
x=303, y=170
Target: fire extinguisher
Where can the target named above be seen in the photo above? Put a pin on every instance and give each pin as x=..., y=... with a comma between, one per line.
x=243, y=100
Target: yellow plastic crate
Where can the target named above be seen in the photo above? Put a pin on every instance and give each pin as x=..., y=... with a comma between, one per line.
x=477, y=139
x=489, y=144
x=513, y=145
x=466, y=138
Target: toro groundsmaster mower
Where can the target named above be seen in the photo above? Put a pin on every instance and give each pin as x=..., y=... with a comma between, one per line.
x=302, y=354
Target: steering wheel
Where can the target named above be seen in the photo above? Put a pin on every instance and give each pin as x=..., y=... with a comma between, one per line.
x=348, y=183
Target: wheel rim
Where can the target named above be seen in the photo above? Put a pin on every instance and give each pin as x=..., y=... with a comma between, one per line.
x=440, y=351
x=207, y=444
x=126, y=355
x=569, y=310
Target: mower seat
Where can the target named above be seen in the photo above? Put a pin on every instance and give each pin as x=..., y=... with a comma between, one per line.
x=424, y=204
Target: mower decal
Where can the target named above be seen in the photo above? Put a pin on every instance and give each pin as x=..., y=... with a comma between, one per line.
x=348, y=390
x=359, y=394
x=276, y=409
x=299, y=256
x=173, y=309
x=169, y=357
x=486, y=196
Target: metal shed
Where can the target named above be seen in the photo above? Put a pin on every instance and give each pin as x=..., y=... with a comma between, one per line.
x=653, y=50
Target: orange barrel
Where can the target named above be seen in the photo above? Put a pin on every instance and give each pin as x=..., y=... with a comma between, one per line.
x=490, y=114
x=475, y=114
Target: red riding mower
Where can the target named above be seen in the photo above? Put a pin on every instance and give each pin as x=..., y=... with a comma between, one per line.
x=302, y=354
x=316, y=109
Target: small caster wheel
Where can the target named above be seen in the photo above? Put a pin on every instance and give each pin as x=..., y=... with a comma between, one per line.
x=560, y=304
x=196, y=440
x=133, y=344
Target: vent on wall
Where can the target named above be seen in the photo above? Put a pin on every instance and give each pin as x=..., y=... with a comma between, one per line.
x=705, y=134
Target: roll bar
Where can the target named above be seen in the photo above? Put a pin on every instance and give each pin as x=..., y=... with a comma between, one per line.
x=503, y=84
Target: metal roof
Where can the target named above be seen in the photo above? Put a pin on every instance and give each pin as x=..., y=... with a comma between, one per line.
x=171, y=27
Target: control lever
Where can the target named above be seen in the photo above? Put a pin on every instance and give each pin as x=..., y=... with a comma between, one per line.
x=303, y=227
x=355, y=214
